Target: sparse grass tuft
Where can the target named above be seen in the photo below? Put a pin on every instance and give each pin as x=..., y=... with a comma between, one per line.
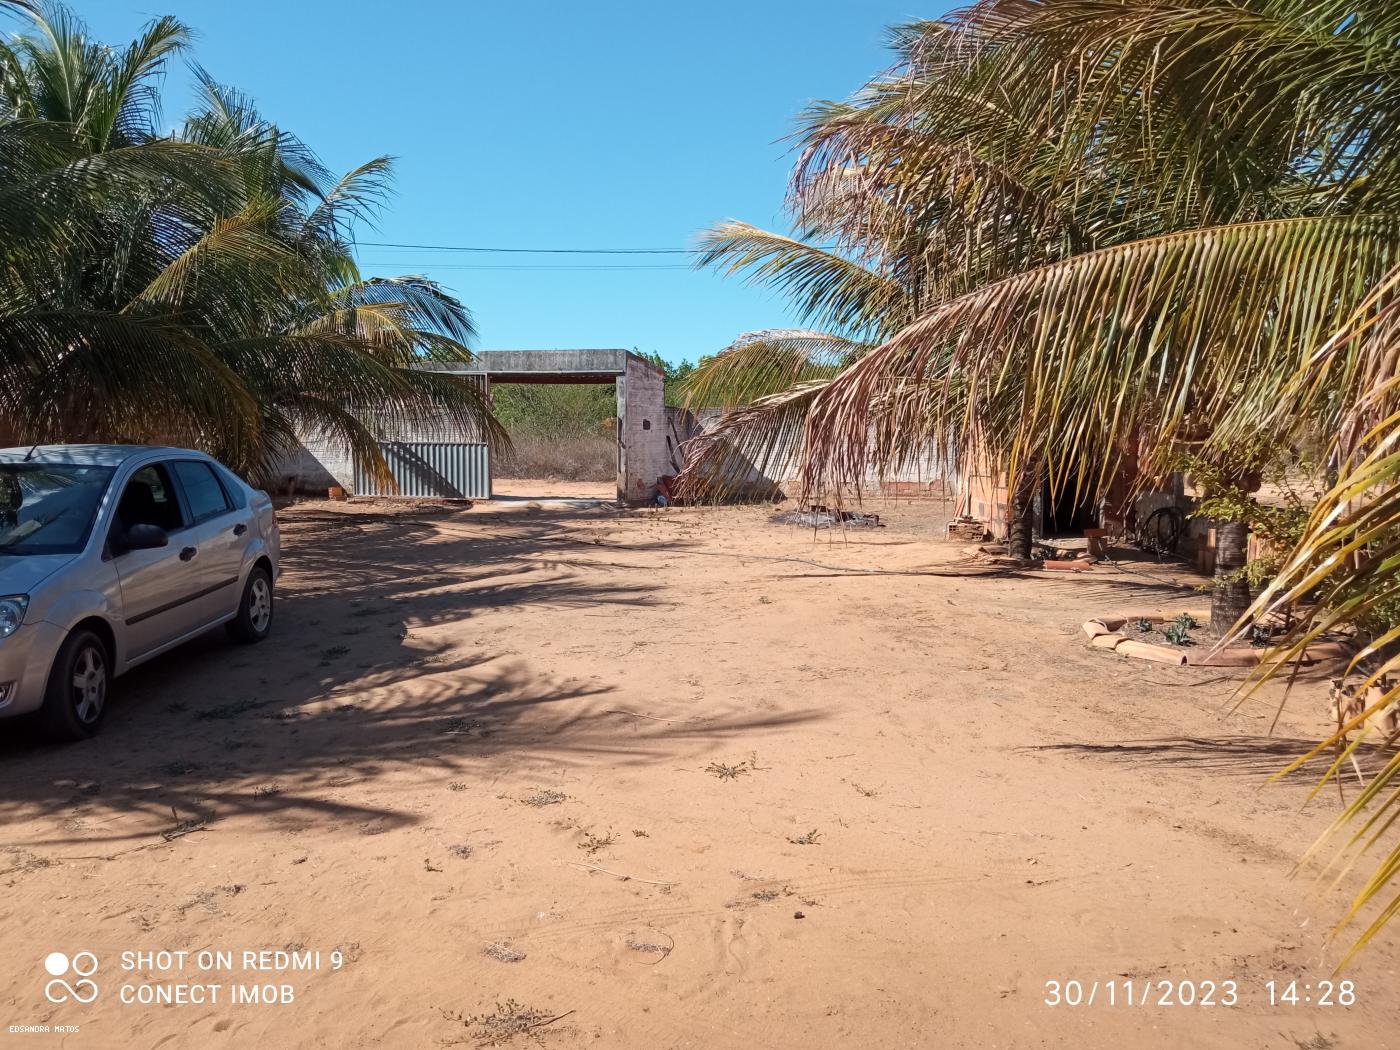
x=724, y=772
x=233, y=710
x=502, y=953
x=545, y=797
x=809, y=839
x=592, y=843
x=649, y=947
x=334, y=652
x=510, y=1019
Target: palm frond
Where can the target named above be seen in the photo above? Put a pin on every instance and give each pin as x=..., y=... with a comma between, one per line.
x=759, y=364
x=1069, y=362
x=750, y=451
x=829, y=290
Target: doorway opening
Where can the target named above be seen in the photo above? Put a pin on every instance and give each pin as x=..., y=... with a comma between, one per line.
x=563, y=440
x=1070, y=510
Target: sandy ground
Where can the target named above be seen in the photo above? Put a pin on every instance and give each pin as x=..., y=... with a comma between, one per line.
x=692, y=779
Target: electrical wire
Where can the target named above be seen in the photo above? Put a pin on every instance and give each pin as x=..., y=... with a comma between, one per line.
x=419, y=264
x=539, y=251
x=552, y=251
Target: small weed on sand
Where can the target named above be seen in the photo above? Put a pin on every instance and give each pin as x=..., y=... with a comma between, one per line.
x=592, y=843
x=649, y=947
x=502, y=953
x=233, y=710
x=547, y=797
x=724, y=772
x=335, y=652
x=23, y=860
x=510, y=1019
x=809, y=839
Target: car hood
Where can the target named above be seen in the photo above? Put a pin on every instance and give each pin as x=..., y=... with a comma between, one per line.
x=21, y=574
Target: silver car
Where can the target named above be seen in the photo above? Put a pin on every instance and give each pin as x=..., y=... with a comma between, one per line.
x=112, y=554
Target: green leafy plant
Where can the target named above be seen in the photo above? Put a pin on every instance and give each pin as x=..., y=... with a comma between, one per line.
x=1177, y=633
x=1185, y=621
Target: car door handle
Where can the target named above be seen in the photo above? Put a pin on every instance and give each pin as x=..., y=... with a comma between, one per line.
x=240, y=529
x=188, y=553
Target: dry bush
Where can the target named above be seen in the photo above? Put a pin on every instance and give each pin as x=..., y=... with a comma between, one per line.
x=589, y=457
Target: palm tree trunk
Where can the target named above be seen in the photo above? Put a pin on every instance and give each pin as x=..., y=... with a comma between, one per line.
x=1020, y=510
x=1230, y=597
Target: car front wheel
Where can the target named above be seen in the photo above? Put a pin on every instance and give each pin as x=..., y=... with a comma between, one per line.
x=254, y=620
x=75, y=702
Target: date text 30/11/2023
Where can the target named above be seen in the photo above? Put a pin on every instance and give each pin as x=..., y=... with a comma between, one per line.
x=1226, y=992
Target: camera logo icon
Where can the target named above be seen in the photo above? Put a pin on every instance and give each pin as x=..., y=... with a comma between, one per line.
x=83, y=966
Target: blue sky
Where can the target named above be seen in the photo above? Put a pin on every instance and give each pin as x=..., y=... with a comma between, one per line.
x=548, y=125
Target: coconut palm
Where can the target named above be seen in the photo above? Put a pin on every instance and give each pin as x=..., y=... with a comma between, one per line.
x=1344, y=573
x=1128, y=224
x=199, y=287
x=1067, y=193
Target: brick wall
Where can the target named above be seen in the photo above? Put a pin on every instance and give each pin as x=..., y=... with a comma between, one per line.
x=642, y=454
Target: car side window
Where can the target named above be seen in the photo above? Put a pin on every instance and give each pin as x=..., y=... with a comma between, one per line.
x=203, y=491
x=149, y=499
x=233, y=486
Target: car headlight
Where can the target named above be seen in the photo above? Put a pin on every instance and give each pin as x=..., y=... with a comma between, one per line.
x=12, y=608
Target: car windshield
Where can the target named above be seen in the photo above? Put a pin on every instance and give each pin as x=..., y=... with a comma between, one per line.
x=48, y=508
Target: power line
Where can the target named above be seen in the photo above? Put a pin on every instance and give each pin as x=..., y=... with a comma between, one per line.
x=539, y=251
x=416, y=264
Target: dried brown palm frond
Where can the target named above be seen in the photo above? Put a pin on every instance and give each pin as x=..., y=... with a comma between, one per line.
x=751, y=451
x=1067, y=363
x=761, y=364
x=769, y=378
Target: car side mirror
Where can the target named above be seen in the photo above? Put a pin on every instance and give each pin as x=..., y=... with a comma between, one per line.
x=142, y=537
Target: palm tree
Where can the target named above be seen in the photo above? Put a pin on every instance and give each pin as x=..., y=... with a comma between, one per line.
x=199, y=287
x=1129, y=224
x=1064, y=232
x=1344, y=573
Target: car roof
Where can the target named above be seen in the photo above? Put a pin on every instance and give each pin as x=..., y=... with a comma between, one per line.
x=86, y=455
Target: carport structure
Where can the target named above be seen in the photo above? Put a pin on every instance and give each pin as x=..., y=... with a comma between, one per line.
x=440, y=461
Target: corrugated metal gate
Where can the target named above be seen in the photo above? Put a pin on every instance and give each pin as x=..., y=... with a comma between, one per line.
x=445, y=470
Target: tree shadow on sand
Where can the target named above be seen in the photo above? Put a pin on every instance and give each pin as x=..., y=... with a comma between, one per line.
x=345, y=690
x=1247, y=756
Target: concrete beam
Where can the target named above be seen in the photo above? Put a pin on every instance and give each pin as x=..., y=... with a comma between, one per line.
x=524, y=366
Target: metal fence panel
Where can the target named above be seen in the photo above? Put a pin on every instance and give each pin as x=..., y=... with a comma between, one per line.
x=429, y=469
